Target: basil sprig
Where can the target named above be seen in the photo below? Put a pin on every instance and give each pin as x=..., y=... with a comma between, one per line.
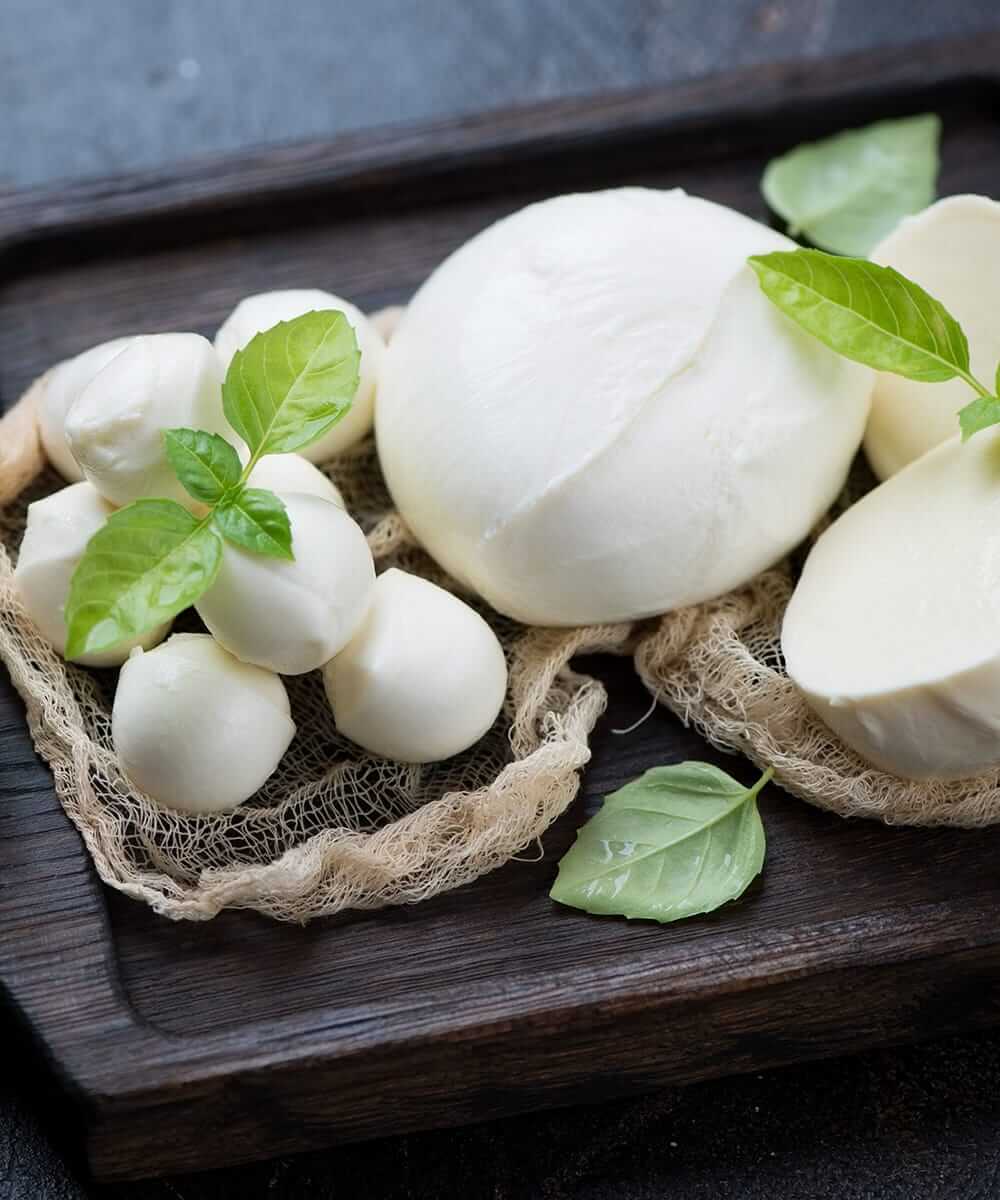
x=876, y=316
x=154, y=558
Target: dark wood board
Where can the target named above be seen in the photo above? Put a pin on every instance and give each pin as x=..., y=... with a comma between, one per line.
x=181, y=1046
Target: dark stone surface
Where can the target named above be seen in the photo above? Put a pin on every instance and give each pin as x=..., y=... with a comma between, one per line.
x=108, y=86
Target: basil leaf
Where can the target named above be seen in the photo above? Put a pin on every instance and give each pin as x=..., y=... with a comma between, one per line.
x=981, y=413
x=205, y=463
x=289, y=385
x=256, y=520
x=148, y=562
x=871, y=314
x=676, y=842
x=846, y=192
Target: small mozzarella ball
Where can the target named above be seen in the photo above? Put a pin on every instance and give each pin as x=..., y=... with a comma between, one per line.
x=61, y=389
x=195, y=728
x=258, y=313
x=115, y=428
x=293, y=473
x=423, y=679
x=292, y=617
x=58, y=530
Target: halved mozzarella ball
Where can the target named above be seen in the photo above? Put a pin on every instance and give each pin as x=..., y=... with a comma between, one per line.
x=115, y=428
x=61, y=389
x=258, y=313
x=293, y=617
x=423, y=679
x=893, y=632
x=58, y=530
x=293, y=473
x=196, y=729
x=952, y=249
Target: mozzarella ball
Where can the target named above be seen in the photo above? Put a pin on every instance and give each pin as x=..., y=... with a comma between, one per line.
x=58, y=530
x=258, y=313
x=60, y=391
x=196, y=729
x=952, y=249
x=591, y=413
x=892, y=631
x=115, y=428
x=293, y=473
x=424, y=678
x=292, y=617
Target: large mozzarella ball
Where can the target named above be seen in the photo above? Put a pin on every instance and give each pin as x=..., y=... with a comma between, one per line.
x=591, y=413
x=258, y=313
x=115, y=428
x=293, y=617
x=423, y=679
x=892, y=632
x=293, y=473
x=60, y=390
x=952, y=249
x=58, y=530
x=196, y=729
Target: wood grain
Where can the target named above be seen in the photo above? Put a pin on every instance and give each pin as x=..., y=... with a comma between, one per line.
x=488, y=1000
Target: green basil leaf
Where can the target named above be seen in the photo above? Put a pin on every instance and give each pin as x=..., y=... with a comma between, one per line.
x=871, y=314
x=289, y=385
x=981, y=413
x=150, y=561
x=847, y=192
x=256, y=520
x=205, y=463
x=678, y=841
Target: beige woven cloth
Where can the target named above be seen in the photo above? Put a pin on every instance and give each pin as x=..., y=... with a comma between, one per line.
x=336, y=828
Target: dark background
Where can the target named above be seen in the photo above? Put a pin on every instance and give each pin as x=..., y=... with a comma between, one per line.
x=102, y=87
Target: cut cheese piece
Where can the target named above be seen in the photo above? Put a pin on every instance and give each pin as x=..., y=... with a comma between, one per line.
x=893, y=632
x=590, y=412
x=952, y=250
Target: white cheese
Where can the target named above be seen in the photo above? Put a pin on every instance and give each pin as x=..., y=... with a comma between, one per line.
x=591, y=413
x=952, y=249
x=292, y=617
x=423, y=679
x=197, y=730
x=293, y=473
x=258, y=313
x=57, y=532
x=61, y=389
x=115, y=427
x=893, y=632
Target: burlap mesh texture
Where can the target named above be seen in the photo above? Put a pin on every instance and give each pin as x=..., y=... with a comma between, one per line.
x=335, y=828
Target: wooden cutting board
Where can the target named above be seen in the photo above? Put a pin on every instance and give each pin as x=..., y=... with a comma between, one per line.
x=180, y=1046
